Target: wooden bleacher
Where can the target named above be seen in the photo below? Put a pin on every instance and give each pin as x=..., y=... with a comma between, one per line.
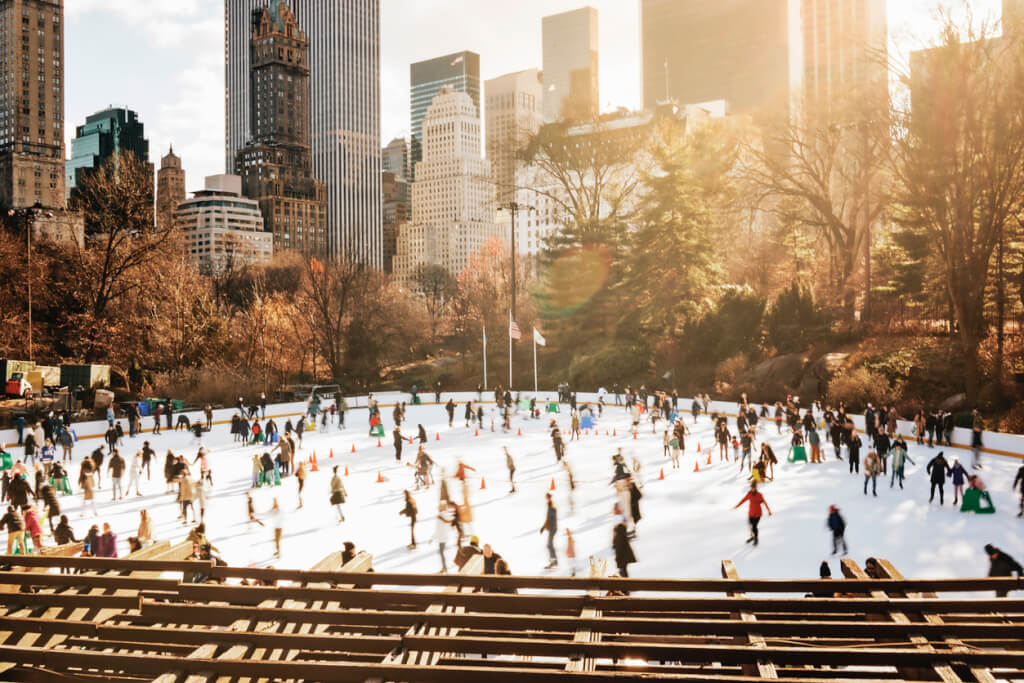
x=66, y=618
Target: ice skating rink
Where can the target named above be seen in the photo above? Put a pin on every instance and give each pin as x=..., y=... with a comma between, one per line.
x=688, y=526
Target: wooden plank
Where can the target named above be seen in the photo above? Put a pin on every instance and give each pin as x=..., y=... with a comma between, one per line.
x=202, y=652
x=944, y=672
x=587, y=635
x=981, y=674
x=762, y=669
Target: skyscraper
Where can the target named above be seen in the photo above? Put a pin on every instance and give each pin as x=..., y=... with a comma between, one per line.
x=32, y=103
x=344, y=63
x=745, y=52
x=395, y=158
x=570, y=65
x=459, y=71
x=452, y=196
x=513, y=110
x=105, y=134
x=844, y=47
x=170, y=188
x=276, y=165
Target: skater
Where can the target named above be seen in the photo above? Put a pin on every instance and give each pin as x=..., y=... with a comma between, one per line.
x=64, y=534
x=300, y=476
x=423, y=464
x=338, y=494
x=769, y=459
x=1018, y=483
x=570, y=551
x=872, y=467
x=1000, y=564
x=67, y=442
x=623, y=551
x=15, y=525
x=116, y=468
x=900, y=457
x=106, y=546
x=938, y=468
x=410, y=511
x=250, y=509
x=450, y=409
x=277, y=519
x=551, y=526
x=755, y=500
x=145, y=534
x=443, y=530
x=959, y=476
x=854, y=453
x=511, y=465
x=398, y=439
x=208, y=411
x=838, y=527
x=977, y=427
x=85, y=483
x=185, y=498
x=201, y=492
x=49, y=498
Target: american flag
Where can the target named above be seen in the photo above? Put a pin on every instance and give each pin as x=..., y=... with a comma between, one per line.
x=513, y=329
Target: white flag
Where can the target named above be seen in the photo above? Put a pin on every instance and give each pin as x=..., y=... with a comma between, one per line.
x=537, y=338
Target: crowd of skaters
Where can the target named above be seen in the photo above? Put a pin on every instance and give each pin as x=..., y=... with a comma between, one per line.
x=815, y=426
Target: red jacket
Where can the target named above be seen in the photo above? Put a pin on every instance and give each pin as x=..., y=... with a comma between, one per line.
x=756, y=501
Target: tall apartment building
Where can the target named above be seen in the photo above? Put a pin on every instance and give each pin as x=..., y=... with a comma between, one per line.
x=395, y=193
x=32, y=103
x=745, y=52
x=221, y=228
x=513, y=114
x=105, y=134
x=276, y=165
x=395, y=158
x=570, y=65
x=459, y=71
x=344, y=62
x=170, y=188
x=452, y=197
x=844, y=48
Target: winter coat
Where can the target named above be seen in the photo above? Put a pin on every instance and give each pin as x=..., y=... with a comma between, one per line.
x=338, y=492
x=551, y=520
x=32, y=523
x=620, y=543
x=64, y=534
x=185, y=490
x=836, y=523
x=872, y=464
x=900, y=456
x=1004, y=565
x=87, y=487
x=145, y=530
x=116, y=466
x=959, y=474
x=939, y=469
x=50, y=498
x=443, y=526
x=19, y=491
x=13, y=521
x=67, y=439
x=107, y=545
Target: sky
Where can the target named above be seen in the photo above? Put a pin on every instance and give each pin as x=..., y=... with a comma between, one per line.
x=166, y=60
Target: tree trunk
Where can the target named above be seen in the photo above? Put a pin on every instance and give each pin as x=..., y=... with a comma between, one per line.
x=1000, y=314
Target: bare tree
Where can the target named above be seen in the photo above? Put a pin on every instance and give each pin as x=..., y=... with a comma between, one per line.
x=959, y=162
x=438, y=288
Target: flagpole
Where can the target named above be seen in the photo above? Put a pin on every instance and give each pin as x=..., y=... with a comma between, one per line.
x=535, y=362
x=485, y=357
x=510, y=351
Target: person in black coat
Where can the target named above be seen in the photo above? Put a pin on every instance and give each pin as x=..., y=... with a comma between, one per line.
x=49, y=496
x=634, y=502
x=853, y=446
x=1001, y=564
x=939, y=469
x=19, y=491
x=623, y=551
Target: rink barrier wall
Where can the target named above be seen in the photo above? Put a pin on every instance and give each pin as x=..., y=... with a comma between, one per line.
x=994, y=443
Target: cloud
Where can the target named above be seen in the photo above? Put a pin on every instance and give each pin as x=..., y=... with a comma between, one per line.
x=165, y=24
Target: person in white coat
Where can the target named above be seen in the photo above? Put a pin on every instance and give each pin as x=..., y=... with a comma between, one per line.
x=134, y=474
x=277, y=524
x=443, y=529
x=201, y=492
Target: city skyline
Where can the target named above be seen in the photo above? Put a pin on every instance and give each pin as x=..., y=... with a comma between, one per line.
x=175, y=79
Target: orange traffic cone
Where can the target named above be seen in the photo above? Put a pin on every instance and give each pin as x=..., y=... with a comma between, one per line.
x=378, y=443
x=380, y=477
x=346, y=470
x=438, y=436
x=607, y=433
x=353, y=448
x=410, y=440
x=698, y=446
x=552, y=483
x=614, y=433
x=312, y=458
x=696, y=465
x=519, y=432
x=483, y=483
x=587, y=433
x=634, y=436
x=709, y=458
x=661, y=474
x=331, y=455
x=315, y=468
x=476, y=432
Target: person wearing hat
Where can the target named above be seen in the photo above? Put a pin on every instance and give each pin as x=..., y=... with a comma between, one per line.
x=938, y=468
x=1001, y=564
x=467, y=551
x=838, y=526
x=959, y=475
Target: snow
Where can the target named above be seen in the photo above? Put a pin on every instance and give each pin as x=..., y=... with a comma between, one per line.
x=689, y=524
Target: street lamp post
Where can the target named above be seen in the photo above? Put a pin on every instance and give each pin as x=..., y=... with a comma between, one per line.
x=27, y=218
x=514, y=207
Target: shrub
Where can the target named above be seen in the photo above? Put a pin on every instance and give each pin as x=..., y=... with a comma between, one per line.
x=733, y=368
x=733, y=327
x=795, y=321
x=856, y=388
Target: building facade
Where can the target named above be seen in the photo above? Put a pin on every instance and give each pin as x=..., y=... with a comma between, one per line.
x=32, y=103
x=459, y=71
x=344, y=62
x=170, y=189
x=747, y=53
x=570, y=65
x=221, y=228
x=276, y=166
x=844, y=48
x=453, y=208
x=397, y=212
x=513, y=114
x=104, y=135
x=395, y=158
